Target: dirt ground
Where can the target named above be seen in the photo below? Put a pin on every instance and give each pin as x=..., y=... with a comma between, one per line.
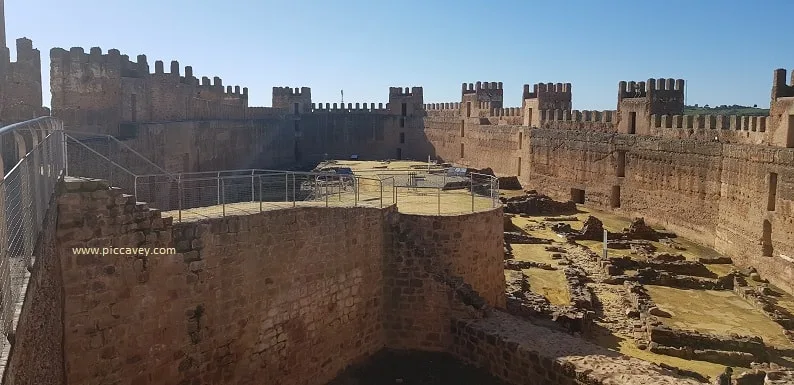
x=720, y=312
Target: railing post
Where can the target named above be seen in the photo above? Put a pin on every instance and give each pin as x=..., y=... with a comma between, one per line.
x=223, y=195
x=135, y=188
x=65, y=153
x=438, y=191
x=286, y=187
x=260, y=193
x=339, y=187
x=471, y=184
x=294, y=197
x=252, y=186
x=381, y=194
x=218, y=176
x=179, y=191
x=355, y=192
x=326, y=192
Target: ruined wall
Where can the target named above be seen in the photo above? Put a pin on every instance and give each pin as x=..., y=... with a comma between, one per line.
x=518, y=352
x=228, y=307
x=434, y=258
x=37, y=355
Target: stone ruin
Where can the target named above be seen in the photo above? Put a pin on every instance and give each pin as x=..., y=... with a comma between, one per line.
x=533, y=203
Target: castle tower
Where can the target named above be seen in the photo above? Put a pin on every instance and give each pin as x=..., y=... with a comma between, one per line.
x=481, y=96
x=637, y=101
x=545, y=96
x=296, y=101
x=404, y=102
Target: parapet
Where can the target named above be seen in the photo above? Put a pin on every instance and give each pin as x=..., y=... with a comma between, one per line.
x=400, y=92
x=779, y=87
x=442, y=106
x=605, y=116
x=139, y=68
x=470, y=88
x=632, y=89
x=351, y=107
x=710, y=122
x=546, y=88
x=290, y=92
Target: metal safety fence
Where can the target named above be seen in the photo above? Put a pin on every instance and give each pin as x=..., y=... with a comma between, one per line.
x=32, y=162
x=189, y=196
x=236, y=192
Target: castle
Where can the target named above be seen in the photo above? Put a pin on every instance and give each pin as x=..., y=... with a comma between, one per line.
x=726, y=182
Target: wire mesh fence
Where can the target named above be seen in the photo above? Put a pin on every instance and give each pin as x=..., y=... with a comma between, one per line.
x=27, y=187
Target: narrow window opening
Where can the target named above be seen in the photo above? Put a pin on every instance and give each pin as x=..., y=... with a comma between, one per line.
x=520, y=140
x=461, y=150
x=399, y=153
x=468, y=109
x=295, y=108
x=402, y=137
x=404, y=111
x=632, y=122
x=402, y=122
x=462, y=128
x=615, y=198
x=772, y=196
x=766, y=239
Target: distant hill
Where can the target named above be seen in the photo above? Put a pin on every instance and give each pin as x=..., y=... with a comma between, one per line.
x=725, y=110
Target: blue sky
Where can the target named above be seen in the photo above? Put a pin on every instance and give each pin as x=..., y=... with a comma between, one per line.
x=726, y=50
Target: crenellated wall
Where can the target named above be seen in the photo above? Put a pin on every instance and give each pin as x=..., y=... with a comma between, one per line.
x=96, y=92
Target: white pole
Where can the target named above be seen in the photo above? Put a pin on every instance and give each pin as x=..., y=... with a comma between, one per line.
x=605, y=243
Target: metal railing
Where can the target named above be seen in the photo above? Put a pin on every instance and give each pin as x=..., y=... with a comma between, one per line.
x=235, y=192
x=33, y=160
x=433, y=191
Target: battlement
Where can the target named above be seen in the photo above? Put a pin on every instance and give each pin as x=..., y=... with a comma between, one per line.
x=710, y=122
x=632, y=89
x=140, y=68
x=605, y=116
x=470, y=88
x=399, y=92
x=509, y=111
x=290, y=92
x=442, y=106
x=779, y=87
x=539, y=89
x=351, y=107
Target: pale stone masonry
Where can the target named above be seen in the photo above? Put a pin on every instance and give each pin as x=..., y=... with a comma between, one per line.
x=288, y=296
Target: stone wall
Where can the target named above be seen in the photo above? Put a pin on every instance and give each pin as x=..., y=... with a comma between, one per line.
x=466, y=142
x=37, y=355
x=292, y=294
x=443, y=267
x=521, y=353
x=20, y=83
x=714, y=193
x=192, y=146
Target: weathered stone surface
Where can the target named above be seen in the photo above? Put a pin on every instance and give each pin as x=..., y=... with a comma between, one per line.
x=536, y=204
